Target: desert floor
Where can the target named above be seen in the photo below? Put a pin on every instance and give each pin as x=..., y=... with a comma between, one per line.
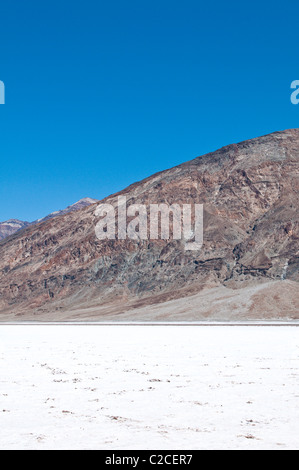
x=149, y=387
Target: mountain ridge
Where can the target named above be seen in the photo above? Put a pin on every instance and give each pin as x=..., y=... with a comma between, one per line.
x=11, y=226
x=250, y=196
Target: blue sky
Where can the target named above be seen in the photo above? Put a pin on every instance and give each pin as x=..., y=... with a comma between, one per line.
x=100, y=94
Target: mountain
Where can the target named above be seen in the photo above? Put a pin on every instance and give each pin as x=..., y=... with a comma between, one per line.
x=85, y=202
x=9, y=227
x=247, y=267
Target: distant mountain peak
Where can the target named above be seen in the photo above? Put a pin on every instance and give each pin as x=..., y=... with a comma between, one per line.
x=84, y=202
x=14, y=221
x=11, y=226
x=88, y=200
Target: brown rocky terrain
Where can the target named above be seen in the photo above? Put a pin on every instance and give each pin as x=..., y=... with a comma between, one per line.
x=247, y=267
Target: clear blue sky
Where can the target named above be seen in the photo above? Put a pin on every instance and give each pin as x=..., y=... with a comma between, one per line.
x=100, y=94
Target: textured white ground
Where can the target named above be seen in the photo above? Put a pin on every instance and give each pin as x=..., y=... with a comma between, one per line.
x=149, y=387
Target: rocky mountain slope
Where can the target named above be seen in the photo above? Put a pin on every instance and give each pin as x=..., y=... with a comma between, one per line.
x=9, y=227
x=59, y=269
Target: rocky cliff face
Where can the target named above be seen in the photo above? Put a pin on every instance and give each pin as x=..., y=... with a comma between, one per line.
x=250, y=196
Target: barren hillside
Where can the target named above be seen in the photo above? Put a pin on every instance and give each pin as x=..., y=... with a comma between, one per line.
x=249, y=190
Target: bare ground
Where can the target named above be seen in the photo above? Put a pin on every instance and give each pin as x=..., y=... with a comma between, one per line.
x=274, y=300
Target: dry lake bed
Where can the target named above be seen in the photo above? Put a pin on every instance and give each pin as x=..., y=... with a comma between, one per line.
x=149, y=387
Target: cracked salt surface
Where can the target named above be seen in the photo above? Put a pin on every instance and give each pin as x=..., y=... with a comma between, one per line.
x=149, y=387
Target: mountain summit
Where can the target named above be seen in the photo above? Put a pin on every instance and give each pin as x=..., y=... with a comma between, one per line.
x=86, y=201
x=247, y=267
x=11, y=226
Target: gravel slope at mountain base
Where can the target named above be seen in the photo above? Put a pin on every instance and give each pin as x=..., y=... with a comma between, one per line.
x=274, y=300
